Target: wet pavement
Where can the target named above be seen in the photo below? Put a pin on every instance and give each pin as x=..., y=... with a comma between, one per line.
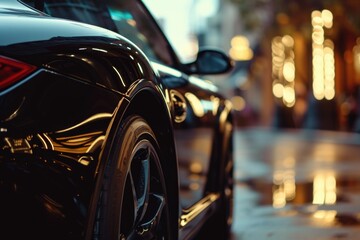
x=298, y=184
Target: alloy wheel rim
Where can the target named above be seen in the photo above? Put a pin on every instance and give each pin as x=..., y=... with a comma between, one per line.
x=142, y=214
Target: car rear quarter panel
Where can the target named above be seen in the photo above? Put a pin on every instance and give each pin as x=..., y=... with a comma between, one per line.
x=53, y=123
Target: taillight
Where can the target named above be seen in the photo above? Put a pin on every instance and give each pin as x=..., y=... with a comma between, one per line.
x=12, y=71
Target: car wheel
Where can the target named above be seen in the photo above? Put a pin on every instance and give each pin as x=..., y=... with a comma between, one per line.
x=133, y=200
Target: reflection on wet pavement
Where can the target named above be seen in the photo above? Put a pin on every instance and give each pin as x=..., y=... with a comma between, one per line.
x=296, y=185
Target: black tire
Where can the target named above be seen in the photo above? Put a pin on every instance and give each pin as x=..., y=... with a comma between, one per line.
x=133, y=200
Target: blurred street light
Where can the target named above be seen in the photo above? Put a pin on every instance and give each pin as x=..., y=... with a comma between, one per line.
x=240, y=49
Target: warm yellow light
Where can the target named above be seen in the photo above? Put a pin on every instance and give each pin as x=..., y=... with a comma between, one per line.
x=329, y=93
x=317, y=21
x=324, y=188
x=325, y=217
x=283, y=69
x=318, y=35
x=289, y=71
x=196, y=167
x=239, y=41
x=329, y=43
x=284, y=188
x=289, y=185
x=331, y=183
x=278, y=177
x=330, y=84
x=319, y=95
x=327, y=18
x=279, y=198
x=289, y=104
x=356, y=56
x=241, y=54
x=240, y=49
x=315, y=13
x=330, y=198
x=318, y=190
x=238, y=103
x=289, y=94
x=318, y=86
x=329, y=58
x=278, y=60
x=278, y=90
x=323, y=57
x=288, y=41
x=318, y=62
x=277, y=47
x=317, y=50
x=196, y=104
x=194, y=186
x=131, y=22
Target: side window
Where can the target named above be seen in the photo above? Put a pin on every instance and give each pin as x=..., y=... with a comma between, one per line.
x=127, y=17
x=133, y=22
x=127, y=26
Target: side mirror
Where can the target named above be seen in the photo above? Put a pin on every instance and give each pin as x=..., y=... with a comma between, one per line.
x=209, y=61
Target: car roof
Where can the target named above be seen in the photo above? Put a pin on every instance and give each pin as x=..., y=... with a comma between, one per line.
x=28, y=24
x=14, y=6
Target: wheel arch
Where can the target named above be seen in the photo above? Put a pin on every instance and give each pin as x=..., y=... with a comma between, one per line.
x=150, y=104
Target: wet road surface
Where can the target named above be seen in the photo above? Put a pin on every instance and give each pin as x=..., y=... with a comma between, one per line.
x=297, y=184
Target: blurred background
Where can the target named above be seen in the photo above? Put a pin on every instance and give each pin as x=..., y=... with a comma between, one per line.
x=297, y=63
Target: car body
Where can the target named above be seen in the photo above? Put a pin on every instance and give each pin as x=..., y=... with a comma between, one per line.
x=104, y=134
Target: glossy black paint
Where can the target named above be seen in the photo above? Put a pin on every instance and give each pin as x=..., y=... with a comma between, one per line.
x=57, y=124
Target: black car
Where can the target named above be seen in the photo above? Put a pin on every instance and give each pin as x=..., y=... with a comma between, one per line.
x=104, y=133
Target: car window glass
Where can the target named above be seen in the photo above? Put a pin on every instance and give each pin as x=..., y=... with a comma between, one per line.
x=128, y=18
x=133, y=22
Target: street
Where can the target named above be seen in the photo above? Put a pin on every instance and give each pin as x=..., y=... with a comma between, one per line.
x=296, y=184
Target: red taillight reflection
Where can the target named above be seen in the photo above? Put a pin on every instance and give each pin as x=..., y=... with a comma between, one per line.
x=12, y=71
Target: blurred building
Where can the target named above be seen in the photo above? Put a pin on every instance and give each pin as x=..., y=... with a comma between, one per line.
x=297, y=62
x=304, y=72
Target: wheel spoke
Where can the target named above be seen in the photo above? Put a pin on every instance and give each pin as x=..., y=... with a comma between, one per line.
x=150, y=197
x=149, y=227
x=143, y=185
x=141, y=178
x=133, y=199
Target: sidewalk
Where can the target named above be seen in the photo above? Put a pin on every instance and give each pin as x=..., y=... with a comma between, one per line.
x=296, y=185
